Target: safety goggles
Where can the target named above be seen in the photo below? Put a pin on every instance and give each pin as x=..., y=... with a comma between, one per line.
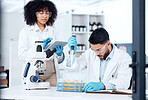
x=41, y=13
x=100, y=50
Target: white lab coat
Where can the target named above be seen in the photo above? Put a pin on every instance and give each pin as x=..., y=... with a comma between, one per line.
x=26, y=43
x=117, y=71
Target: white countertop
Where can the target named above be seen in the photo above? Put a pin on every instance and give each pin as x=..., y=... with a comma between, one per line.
x=19, y=92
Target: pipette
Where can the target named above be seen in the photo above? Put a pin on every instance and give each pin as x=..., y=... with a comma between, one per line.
x=72, y=51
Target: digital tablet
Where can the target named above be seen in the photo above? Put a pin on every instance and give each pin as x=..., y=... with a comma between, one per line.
x=52, y=44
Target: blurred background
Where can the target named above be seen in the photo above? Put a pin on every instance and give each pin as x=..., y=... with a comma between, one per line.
x=114, y=15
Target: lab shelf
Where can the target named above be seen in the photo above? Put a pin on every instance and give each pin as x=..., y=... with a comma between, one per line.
x=80, y=25
x=80, y=51
x=84, y=20
x=79, y=32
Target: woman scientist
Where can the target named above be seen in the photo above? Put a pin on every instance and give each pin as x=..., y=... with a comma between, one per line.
x=40, y=16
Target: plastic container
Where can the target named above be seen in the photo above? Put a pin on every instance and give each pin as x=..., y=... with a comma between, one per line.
x=70, y=87
x=3, y=75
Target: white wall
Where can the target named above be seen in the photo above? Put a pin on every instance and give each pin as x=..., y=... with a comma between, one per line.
x=118, y=21
x=12, y=23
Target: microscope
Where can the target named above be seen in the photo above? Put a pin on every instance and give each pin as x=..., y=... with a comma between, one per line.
x=35, y=67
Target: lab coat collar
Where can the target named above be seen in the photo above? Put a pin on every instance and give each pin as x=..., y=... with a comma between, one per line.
x=111, y=53
x=36, y=28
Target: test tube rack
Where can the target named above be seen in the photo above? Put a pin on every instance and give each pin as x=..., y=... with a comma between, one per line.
x=70, y=86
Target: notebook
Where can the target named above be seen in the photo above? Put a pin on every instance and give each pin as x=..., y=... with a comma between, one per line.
x=127, y=92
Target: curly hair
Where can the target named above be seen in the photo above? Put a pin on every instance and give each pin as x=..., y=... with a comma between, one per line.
x=99, y=36
x=34, y=6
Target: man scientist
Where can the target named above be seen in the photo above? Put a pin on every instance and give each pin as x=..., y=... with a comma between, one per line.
x=107, y=66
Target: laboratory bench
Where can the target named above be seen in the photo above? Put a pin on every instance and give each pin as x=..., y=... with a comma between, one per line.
x=19, y=92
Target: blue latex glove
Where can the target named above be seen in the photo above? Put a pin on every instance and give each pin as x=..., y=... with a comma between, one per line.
x=93, y=86
x=72, y=42
x=46, y=41
x=59, y=50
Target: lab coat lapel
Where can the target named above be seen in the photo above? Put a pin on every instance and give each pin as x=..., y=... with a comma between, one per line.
x=111, y=65
x=97, y=68
x=93, y=69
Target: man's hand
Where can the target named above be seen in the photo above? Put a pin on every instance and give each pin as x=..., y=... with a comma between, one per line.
x=93, y=86
x=72, y=42
x=46, y=41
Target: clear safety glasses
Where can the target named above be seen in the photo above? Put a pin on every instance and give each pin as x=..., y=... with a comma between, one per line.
x=100, y=50
x=42, y=13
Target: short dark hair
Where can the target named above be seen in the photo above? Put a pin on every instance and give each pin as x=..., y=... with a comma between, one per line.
x=99, y=36
x=34, y=6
